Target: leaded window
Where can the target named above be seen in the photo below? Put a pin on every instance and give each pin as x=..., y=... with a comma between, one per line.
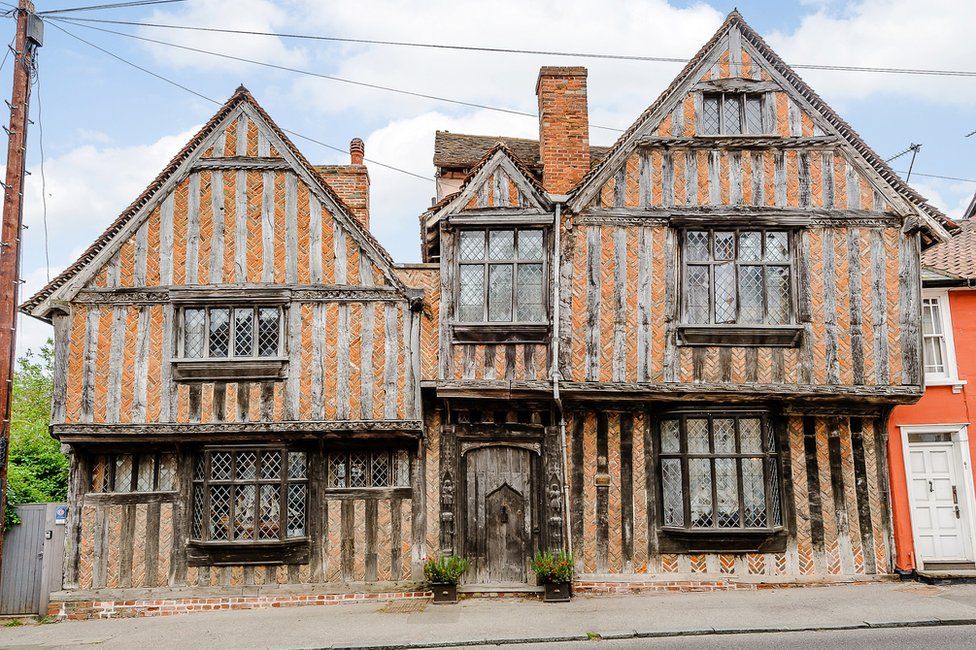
x=501, y=275
x=364, y=468
x=231, y=332
x=249, y=494
x=732, y=114
x=737, y=277
x=145, y=472
x=718, y=471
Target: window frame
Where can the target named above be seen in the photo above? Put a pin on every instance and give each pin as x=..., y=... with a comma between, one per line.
x=486, y=262
x=231, y=355
x=950, y=376
x=392, y=489
x=742, y=97
x=685, y=537
x=742, y=334
x=108, y=487
x=284, y=481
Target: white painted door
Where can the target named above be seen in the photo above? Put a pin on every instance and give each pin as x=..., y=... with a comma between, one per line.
x=936, y=492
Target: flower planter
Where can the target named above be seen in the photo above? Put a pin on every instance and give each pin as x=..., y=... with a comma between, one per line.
x=557, y=592
x=444, y=593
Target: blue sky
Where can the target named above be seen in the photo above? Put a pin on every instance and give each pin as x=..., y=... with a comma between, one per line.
x=108, y=128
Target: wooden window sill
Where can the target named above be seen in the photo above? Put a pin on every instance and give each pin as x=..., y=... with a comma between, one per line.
x=251, y=369
x=401, y=492
x=781, y=336
x=275, y=551
x=729, y=540
x=500, y=333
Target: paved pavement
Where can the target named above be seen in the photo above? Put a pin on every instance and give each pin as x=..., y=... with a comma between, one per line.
x=948, y=615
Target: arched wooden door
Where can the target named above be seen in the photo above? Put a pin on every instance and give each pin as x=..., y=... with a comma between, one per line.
x=498, y=514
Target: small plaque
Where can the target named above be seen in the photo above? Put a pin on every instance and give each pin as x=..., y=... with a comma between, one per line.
x=602, y=480
x=61, y=515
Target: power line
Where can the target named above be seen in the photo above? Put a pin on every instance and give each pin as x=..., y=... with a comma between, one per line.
x=944, y=178
x=319, y=75
x=504, y=50
x=40, y=140
x=115, y=5
x=218, y=103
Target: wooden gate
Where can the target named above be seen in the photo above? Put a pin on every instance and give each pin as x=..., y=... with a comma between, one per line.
x=33, y=557
x=498, y=513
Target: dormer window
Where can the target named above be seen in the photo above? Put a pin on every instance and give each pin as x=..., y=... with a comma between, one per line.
x=501, y=275
x=732, y=114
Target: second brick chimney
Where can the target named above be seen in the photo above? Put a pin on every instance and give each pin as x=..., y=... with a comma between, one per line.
x=351, y=182
x=564, y=128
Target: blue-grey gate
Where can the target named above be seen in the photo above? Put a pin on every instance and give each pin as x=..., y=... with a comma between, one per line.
x=32, y=559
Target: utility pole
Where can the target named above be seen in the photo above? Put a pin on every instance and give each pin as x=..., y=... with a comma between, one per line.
x=30, y=35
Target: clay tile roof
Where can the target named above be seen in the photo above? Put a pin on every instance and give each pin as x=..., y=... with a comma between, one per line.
x=956, y=256
x=466, y=151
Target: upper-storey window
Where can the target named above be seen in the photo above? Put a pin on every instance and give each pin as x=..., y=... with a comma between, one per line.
x=732, y=114
x=737, y=277
x=231, y=332
x=145, y=472
x=501, y=276
x=937, y=344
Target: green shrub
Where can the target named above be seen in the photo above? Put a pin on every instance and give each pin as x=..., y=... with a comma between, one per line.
x=553, y=568
x=446, y=569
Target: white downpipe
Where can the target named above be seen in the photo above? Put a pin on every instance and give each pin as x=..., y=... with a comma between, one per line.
x=567, y=533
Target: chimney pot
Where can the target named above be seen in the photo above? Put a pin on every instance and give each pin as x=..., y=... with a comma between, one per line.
x=357, y=150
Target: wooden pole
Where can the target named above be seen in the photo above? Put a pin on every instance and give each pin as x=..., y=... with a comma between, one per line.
x=13, y=204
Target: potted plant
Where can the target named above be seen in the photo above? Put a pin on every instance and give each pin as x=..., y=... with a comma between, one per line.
x=555, y=572
x=443, y=574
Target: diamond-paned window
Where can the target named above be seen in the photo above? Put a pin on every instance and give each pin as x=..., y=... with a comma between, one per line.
x=501, y=276
x=224, y=332
x=732, y=113
x=741, y=277
x=732, y=469
x=361, y=468
x=249, y=494
x=140, y=472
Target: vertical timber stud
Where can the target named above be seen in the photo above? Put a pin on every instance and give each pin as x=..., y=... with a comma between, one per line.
x=29, y=37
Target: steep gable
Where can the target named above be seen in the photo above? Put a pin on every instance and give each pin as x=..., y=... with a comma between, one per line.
x=500, y=180
x=238, y=204
x=838, y=171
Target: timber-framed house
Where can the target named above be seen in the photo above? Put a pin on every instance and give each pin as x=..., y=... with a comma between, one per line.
x=674, y=356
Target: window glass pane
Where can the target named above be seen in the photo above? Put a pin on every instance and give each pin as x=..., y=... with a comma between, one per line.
x=269, y=323
x=529, y=298
x=167, y=468
x=753, y=493
x=219, y=332
x=380, y=470
x=269, y=516
x=244, y=512
x=219, y=511
x=709, y=119
x=931, y=317
x=776, y=512
x=358, y=470
x=99, y=474
x=750, y=246
x=472, y=293
x=696, y=246
x=246, y=465
x=934, y=362
x=271, y=464
x=501, y=244
x=750, y=440
x=402, y=469
x=673, y=501
x=337, y=471
x=196, y=526
x=123, y=473
x=727, y=491
x=669, y=437
x=700, y=485
x=500, y=292
x=530, y=245
x=220, y=466
x=296, y=464
x=193, y=336
x=725, y=293
x=731, y=109
x=472, y=246
x=723, y=432
x=778, y=294
x=199, y=467
x=697, y=299
x=244, y=332
x=777, y=247
x=750, y=294
x=147, y=469
x=296, y=510
x=754, y=114
x=697, y=436
x=724, y=246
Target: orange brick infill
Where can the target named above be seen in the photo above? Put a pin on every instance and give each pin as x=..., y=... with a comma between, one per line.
x=100, y=609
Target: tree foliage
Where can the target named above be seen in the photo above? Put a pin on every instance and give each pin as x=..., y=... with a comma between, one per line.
x=38, y=471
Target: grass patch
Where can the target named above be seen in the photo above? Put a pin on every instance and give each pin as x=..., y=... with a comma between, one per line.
x=593, y=636
x=14, y=622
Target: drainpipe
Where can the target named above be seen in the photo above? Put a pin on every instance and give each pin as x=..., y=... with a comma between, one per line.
x=556, y=376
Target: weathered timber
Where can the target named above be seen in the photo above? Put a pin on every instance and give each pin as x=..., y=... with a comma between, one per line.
x=863, y=499
x=627, y=491
x=593, y=278
x=854, y=272
x=841, y=517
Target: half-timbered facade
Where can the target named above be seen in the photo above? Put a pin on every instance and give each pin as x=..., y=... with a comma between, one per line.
x=674, y=356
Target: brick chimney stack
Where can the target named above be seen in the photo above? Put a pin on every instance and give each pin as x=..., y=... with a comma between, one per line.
x=564, y=128
x=351, y=182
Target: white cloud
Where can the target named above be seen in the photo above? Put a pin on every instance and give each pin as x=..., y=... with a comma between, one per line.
x=886, y=33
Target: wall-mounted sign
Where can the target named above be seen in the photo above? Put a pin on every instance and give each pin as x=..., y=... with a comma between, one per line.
x=61, y=514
